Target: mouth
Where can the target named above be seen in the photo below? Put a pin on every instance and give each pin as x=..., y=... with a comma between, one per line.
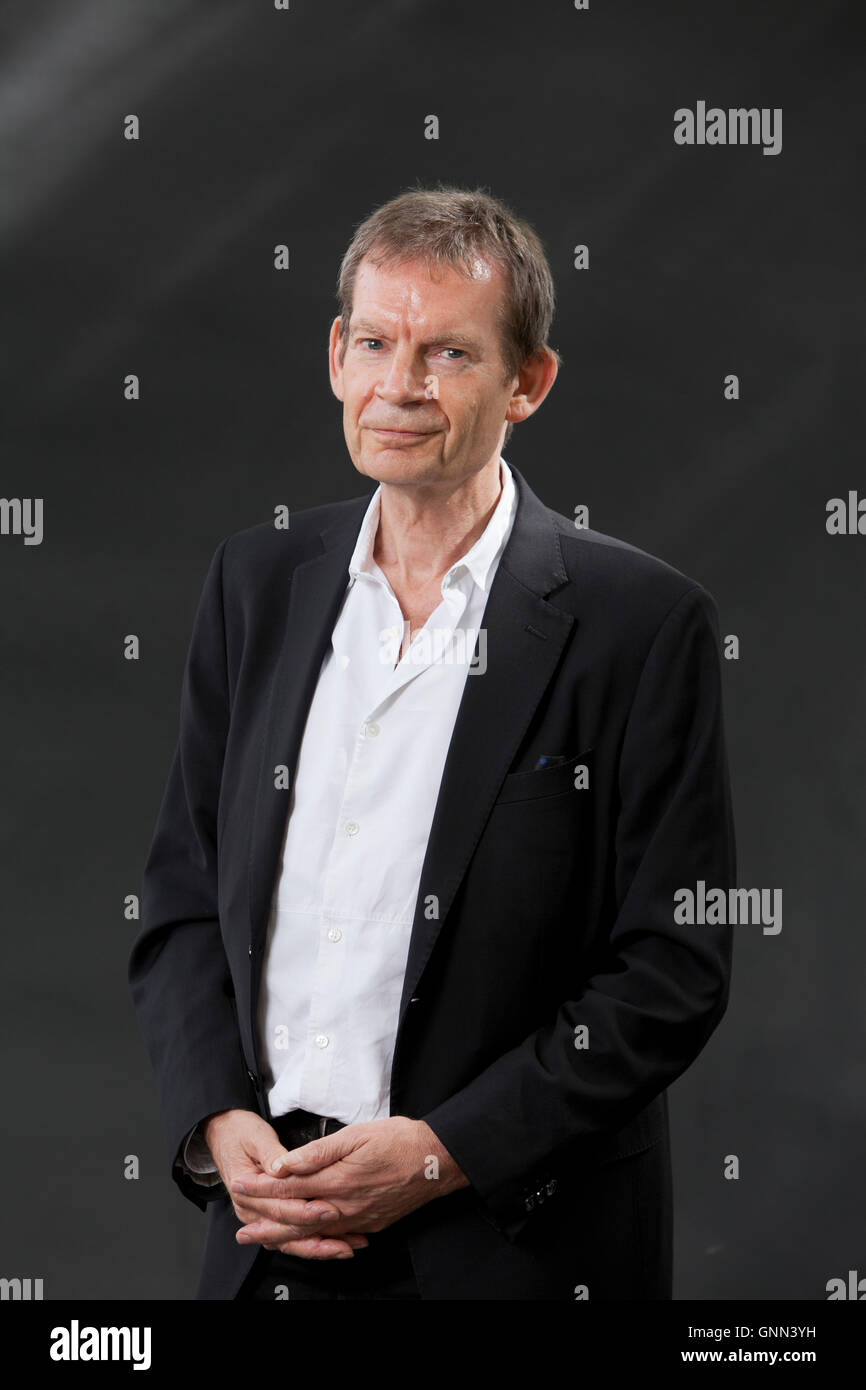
x=401, y=436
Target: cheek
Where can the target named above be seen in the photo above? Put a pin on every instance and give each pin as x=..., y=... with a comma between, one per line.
x=482, y=412
x=464, y=403
x=356, y=394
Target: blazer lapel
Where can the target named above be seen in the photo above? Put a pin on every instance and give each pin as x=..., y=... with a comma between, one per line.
x=316, y=590
x=525, y=638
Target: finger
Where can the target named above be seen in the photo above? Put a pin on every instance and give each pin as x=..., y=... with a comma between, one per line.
x=279, y=1207
x=328, y=1185
x=274, y=1237
x=258, y=1185
x=305, y=1217
x=270, y=1234
x=319, y=1153
x=332, y=1249
x=356, y=1239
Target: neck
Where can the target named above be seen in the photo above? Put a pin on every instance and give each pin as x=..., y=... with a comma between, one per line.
x=423, y=530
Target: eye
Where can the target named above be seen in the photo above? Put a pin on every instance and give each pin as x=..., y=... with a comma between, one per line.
x=458, y=350
x=371, y=340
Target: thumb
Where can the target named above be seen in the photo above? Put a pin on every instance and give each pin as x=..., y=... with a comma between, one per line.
x=266, y=1149
x=318, y=1154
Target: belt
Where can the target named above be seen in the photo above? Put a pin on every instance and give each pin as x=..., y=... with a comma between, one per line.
x=300, y=1127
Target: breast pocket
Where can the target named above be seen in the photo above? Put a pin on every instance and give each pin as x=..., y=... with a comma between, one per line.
x=572, y=777
x=537, y=856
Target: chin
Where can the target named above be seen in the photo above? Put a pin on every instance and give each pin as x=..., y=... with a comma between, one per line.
x=391, y=464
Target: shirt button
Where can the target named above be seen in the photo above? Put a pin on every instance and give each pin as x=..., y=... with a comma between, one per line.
x=322, y=1040
x=372, y=730
x=352, y=827
x=334, y=934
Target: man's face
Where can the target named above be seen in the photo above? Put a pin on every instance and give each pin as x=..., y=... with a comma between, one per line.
x=408, y=327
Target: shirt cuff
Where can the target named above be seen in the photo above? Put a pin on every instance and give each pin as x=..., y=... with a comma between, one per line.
x=196, y=1160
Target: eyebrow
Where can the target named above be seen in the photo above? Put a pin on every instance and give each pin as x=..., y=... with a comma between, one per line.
x=455, y=339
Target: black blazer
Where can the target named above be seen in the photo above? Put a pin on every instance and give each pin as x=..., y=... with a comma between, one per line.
x=555, y=904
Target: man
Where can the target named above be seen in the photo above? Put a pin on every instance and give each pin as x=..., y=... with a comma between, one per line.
x=409, y=970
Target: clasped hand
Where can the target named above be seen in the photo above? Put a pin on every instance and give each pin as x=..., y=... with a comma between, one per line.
x=318, y=1201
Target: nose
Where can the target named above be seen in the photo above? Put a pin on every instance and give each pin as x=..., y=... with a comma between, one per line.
x=403, y=378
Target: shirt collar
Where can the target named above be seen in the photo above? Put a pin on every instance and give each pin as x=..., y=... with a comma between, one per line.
x=479, y=560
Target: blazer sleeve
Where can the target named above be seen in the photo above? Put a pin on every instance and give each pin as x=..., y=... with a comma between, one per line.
x=178, y=973
x=663, y=986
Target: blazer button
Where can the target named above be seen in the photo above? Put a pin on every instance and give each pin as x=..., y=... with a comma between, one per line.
x=253, y=1079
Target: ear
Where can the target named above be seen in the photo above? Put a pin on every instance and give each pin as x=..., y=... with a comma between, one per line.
x=531, y=385
x=335, y=365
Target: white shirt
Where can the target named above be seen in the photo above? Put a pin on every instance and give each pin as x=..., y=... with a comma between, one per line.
x=359, y=817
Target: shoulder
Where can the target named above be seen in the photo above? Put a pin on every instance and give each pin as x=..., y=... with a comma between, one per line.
x=622, y=581
x=251, y=556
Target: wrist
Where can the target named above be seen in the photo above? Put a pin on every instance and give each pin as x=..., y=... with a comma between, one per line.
x=211, y=1124
x=450, y=1176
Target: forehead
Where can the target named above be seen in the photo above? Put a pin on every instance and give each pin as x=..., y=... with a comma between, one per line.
x=419, y=295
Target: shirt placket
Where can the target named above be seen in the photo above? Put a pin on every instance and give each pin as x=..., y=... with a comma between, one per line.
x=371, y=693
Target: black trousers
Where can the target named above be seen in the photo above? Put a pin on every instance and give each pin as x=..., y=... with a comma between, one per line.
x=275, y=1277
x=382, y=1269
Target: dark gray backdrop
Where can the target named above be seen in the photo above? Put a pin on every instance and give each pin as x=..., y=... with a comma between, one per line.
x=155, y=257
